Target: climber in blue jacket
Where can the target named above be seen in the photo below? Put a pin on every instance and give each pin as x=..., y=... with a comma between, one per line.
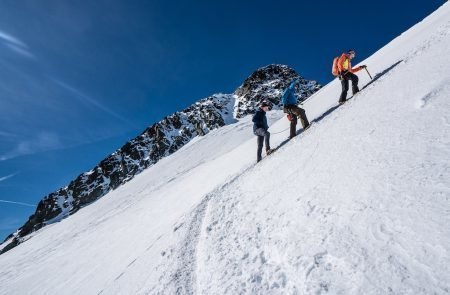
x=289, y=101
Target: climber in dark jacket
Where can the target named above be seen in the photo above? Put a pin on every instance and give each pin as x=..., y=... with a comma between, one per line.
x=289, y=101
x=260, y=128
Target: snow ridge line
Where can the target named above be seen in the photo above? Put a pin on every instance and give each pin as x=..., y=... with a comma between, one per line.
x=185, y=275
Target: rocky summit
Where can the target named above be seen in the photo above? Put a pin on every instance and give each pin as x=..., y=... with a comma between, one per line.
x=268, y=83
x=160, y=140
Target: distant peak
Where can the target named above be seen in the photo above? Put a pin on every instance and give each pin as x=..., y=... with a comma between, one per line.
x=273, y=71
x=268, y=83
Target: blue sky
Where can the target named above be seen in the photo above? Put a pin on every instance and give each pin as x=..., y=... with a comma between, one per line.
x=80, y=78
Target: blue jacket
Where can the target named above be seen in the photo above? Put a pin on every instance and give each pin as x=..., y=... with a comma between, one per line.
x=260, y=120
x=289, y=97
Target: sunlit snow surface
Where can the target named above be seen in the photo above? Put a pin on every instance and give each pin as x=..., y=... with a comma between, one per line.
x=358, y=204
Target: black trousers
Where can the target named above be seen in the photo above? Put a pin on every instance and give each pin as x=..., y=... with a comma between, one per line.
x=344, y=82
x=296, y=111
x=263, y=136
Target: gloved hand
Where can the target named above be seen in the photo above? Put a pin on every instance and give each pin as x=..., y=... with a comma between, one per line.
x=363, y=66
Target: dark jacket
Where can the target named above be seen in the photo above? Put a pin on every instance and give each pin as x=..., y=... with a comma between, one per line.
x=260, y=120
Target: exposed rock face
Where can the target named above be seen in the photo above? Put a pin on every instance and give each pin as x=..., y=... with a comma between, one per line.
x=158, y=141
x=268, y=83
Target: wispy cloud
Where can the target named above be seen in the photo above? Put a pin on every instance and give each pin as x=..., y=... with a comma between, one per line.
x=17, y=203
x=15, y=44
x=44, y=141
x=11, y=39
x=20, y=50
x=7, y=177
x=89, y=100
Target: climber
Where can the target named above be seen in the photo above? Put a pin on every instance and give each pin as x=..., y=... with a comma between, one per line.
x=289, y=101
x=260, y=129
x=346, y=73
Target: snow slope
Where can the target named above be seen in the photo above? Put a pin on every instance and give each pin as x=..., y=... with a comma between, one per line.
x=358, y=204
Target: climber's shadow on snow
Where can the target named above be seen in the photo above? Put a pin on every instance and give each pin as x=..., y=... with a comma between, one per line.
x=283, y=143
x=318, y=119
x=377, y=76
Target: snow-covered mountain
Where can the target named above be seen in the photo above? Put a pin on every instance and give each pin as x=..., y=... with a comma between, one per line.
x=357, y=204
x=160, y=140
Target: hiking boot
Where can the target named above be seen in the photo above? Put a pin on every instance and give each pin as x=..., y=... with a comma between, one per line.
x=269, y=151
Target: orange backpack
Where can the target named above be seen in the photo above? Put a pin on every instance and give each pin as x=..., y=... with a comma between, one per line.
x=335, y=68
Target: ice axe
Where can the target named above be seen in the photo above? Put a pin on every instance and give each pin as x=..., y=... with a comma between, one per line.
x=365, y=68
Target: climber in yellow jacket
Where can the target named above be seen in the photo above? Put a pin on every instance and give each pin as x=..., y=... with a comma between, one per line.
x=346, y=73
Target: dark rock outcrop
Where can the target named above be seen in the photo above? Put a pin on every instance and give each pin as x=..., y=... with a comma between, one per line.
x=268, y=83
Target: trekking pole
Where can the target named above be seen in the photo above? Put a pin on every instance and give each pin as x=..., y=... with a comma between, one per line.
x=368, y=73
